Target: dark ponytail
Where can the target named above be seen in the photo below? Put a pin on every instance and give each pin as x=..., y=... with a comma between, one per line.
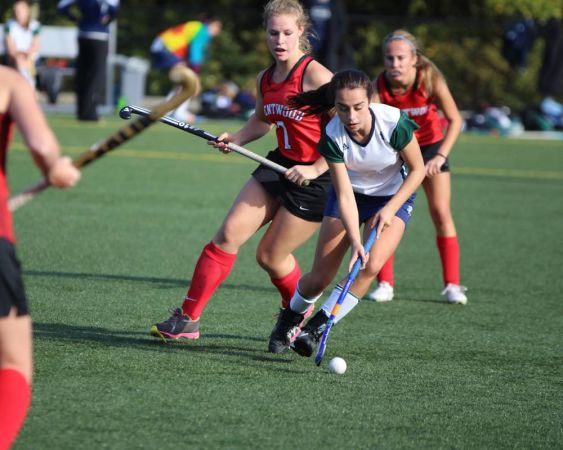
x=313, y=102
x=322, y=99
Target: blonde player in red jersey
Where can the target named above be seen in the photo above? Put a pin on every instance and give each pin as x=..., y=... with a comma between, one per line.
x=18, y=106
x=412, y=83
x=292, y=212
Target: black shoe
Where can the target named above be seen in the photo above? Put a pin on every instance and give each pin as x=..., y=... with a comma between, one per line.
x=287, y=327
x=308, y=340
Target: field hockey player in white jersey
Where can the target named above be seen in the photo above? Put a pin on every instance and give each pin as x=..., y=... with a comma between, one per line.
x=366, y=146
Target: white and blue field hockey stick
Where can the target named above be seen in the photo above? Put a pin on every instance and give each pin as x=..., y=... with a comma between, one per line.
x=351, y=277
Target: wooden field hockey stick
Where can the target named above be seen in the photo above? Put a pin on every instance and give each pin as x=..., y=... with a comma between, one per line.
x=351, y=277
x=127, y=111
x=188, y=83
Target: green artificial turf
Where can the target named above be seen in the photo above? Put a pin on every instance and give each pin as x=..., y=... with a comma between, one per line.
x=104, y=261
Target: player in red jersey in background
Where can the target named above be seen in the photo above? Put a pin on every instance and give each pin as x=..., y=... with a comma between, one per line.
x=19, y=107
x=292, y=212
x=412, y=83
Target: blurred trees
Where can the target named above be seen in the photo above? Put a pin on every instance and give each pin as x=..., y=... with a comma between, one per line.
x=463, y=37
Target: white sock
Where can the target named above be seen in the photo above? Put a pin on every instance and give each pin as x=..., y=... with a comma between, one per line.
x=300, y=304
x=349, y=303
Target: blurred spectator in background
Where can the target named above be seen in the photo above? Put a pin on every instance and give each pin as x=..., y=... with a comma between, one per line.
x=184, y=44
x=228, y=101
x=494, y=120
x=550, y=81
x=518, y=40
x=22, y=40
x=329, y=22
x=245, y=101
x=93, y=18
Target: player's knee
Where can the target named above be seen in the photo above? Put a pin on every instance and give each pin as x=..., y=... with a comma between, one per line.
x=19, y=359
x=373, y=266
x=372, y=270
x=441, y=215
x=264, y=258
x=227, y=236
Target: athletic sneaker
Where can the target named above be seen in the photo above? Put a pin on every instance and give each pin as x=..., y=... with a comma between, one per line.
x=285, y=330
x=383, y=292
x=455, y=294
x=308, y=340
x=177, y=326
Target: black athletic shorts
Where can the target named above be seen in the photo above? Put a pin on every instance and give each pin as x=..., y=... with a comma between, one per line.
x=306, y=202
x=11, y=284
x=430, y=150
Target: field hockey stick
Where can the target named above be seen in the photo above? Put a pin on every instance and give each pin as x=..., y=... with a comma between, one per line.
x=351, y=277
x=189, y=85
x=127, y=111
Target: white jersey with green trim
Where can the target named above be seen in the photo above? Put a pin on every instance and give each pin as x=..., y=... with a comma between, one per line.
x=375, y=168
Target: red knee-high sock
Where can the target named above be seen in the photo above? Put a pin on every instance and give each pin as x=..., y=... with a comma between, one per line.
x=386, y=272
x=15, y=396
x=448, y=246
x=287, y=284
x=213, y=266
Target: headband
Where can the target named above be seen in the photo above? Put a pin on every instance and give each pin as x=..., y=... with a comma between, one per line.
x=398, y=37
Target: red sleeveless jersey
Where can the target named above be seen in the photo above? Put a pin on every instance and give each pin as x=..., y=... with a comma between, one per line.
x=419, y=107
x=297, y=133
x=6, y=131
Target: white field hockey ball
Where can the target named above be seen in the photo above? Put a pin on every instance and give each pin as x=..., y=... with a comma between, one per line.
x=337, y=365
